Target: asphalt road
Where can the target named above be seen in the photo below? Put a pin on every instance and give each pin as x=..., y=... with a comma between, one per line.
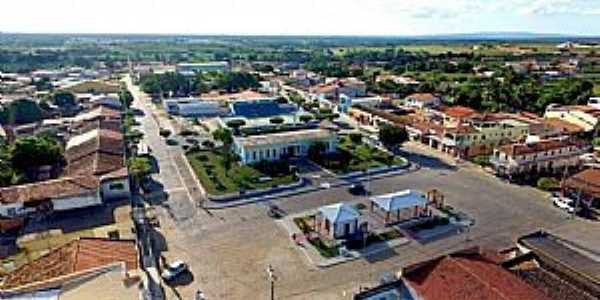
x=228, y=250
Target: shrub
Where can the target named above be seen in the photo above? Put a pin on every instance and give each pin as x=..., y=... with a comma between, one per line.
x=306, y=118
x=482, y=160
x=208, y=144
x=187, y=132
x=356, y=138
x=276, y=120
x=164, y=132
x=547, y=183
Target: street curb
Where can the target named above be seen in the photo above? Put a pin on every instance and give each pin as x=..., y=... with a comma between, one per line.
x=413, y=167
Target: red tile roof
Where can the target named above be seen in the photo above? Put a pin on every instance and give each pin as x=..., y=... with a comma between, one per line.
x=458, y=111
x=422, y=97
x=587, y=180
x=51, y=189
x=541, y=146
x=563, y=126
x=76, y=256
x=468, y=277
x=102, y=153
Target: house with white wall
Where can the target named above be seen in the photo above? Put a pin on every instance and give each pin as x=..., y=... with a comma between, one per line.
x=275, y=146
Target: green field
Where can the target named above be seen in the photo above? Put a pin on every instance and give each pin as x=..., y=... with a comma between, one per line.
x=94, y=87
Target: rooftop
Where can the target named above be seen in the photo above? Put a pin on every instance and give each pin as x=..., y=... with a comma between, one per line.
x=285, y=137
x=244, y=95
x=400, y=200
x=466, y=277
x=50, y=189
x=422, y=97
x=339, y=212
x=95, y=152
x=457, y=111
x=563, y=126
x=578, y=260
x=587, y=180
x=261, y=109
x=77, y=256
x=540, y=146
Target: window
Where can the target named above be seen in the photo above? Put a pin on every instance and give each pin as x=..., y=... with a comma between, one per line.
x=11, y=211
x=116, y=186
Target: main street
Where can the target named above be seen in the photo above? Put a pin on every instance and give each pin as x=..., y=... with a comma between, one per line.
x=229, y=249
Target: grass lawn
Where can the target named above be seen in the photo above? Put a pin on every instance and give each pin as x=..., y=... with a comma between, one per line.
x=597, y=89
x=217, y=180
x=94, y=87
x=353, y=157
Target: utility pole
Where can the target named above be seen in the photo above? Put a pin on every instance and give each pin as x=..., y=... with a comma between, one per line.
x=272, y=278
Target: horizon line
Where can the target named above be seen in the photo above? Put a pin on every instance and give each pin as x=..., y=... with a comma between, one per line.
x=491, y=34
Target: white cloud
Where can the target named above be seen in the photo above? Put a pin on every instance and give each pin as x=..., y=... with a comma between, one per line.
x=294, y=16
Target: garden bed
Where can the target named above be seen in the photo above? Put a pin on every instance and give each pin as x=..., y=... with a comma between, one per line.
x=219, y=179
x=304, y=224
x=352, y=157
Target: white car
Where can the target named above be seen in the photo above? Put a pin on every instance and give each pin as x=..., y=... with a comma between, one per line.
x=173, y=270
x=564, y=203
x=325, y=185
x=589, y=158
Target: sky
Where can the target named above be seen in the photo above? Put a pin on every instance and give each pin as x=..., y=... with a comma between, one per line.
x=301, y=17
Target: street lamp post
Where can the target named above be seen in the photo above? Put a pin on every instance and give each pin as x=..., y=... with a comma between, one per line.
x=272, y=278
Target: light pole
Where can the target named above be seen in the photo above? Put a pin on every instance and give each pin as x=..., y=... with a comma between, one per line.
x=272, y=278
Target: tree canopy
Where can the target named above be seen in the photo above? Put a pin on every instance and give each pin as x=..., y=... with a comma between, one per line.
x=139, y=167
x=21, y=111
x=33, y=152
x=64, y=99
x=392, y=136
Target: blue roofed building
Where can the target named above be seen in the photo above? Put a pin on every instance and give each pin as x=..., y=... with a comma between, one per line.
x=261, y=109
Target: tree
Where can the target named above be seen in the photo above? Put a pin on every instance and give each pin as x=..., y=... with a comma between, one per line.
x=21, y=111
x=316, y=150
x=547, y=183
x=236, y=81
x=235, y=124
x=125, y=97
x=276, y=120
x=392, y=136
x=139, y=168
x=33, y=152
x=224, y=135
x=306, y=118
x=64, y=99
x=356, y=138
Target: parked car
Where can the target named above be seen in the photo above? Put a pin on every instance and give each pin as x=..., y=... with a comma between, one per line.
x=589, y=158
x=357, y=189
x=172, y=142
x=563, y=203
x=173, y=270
